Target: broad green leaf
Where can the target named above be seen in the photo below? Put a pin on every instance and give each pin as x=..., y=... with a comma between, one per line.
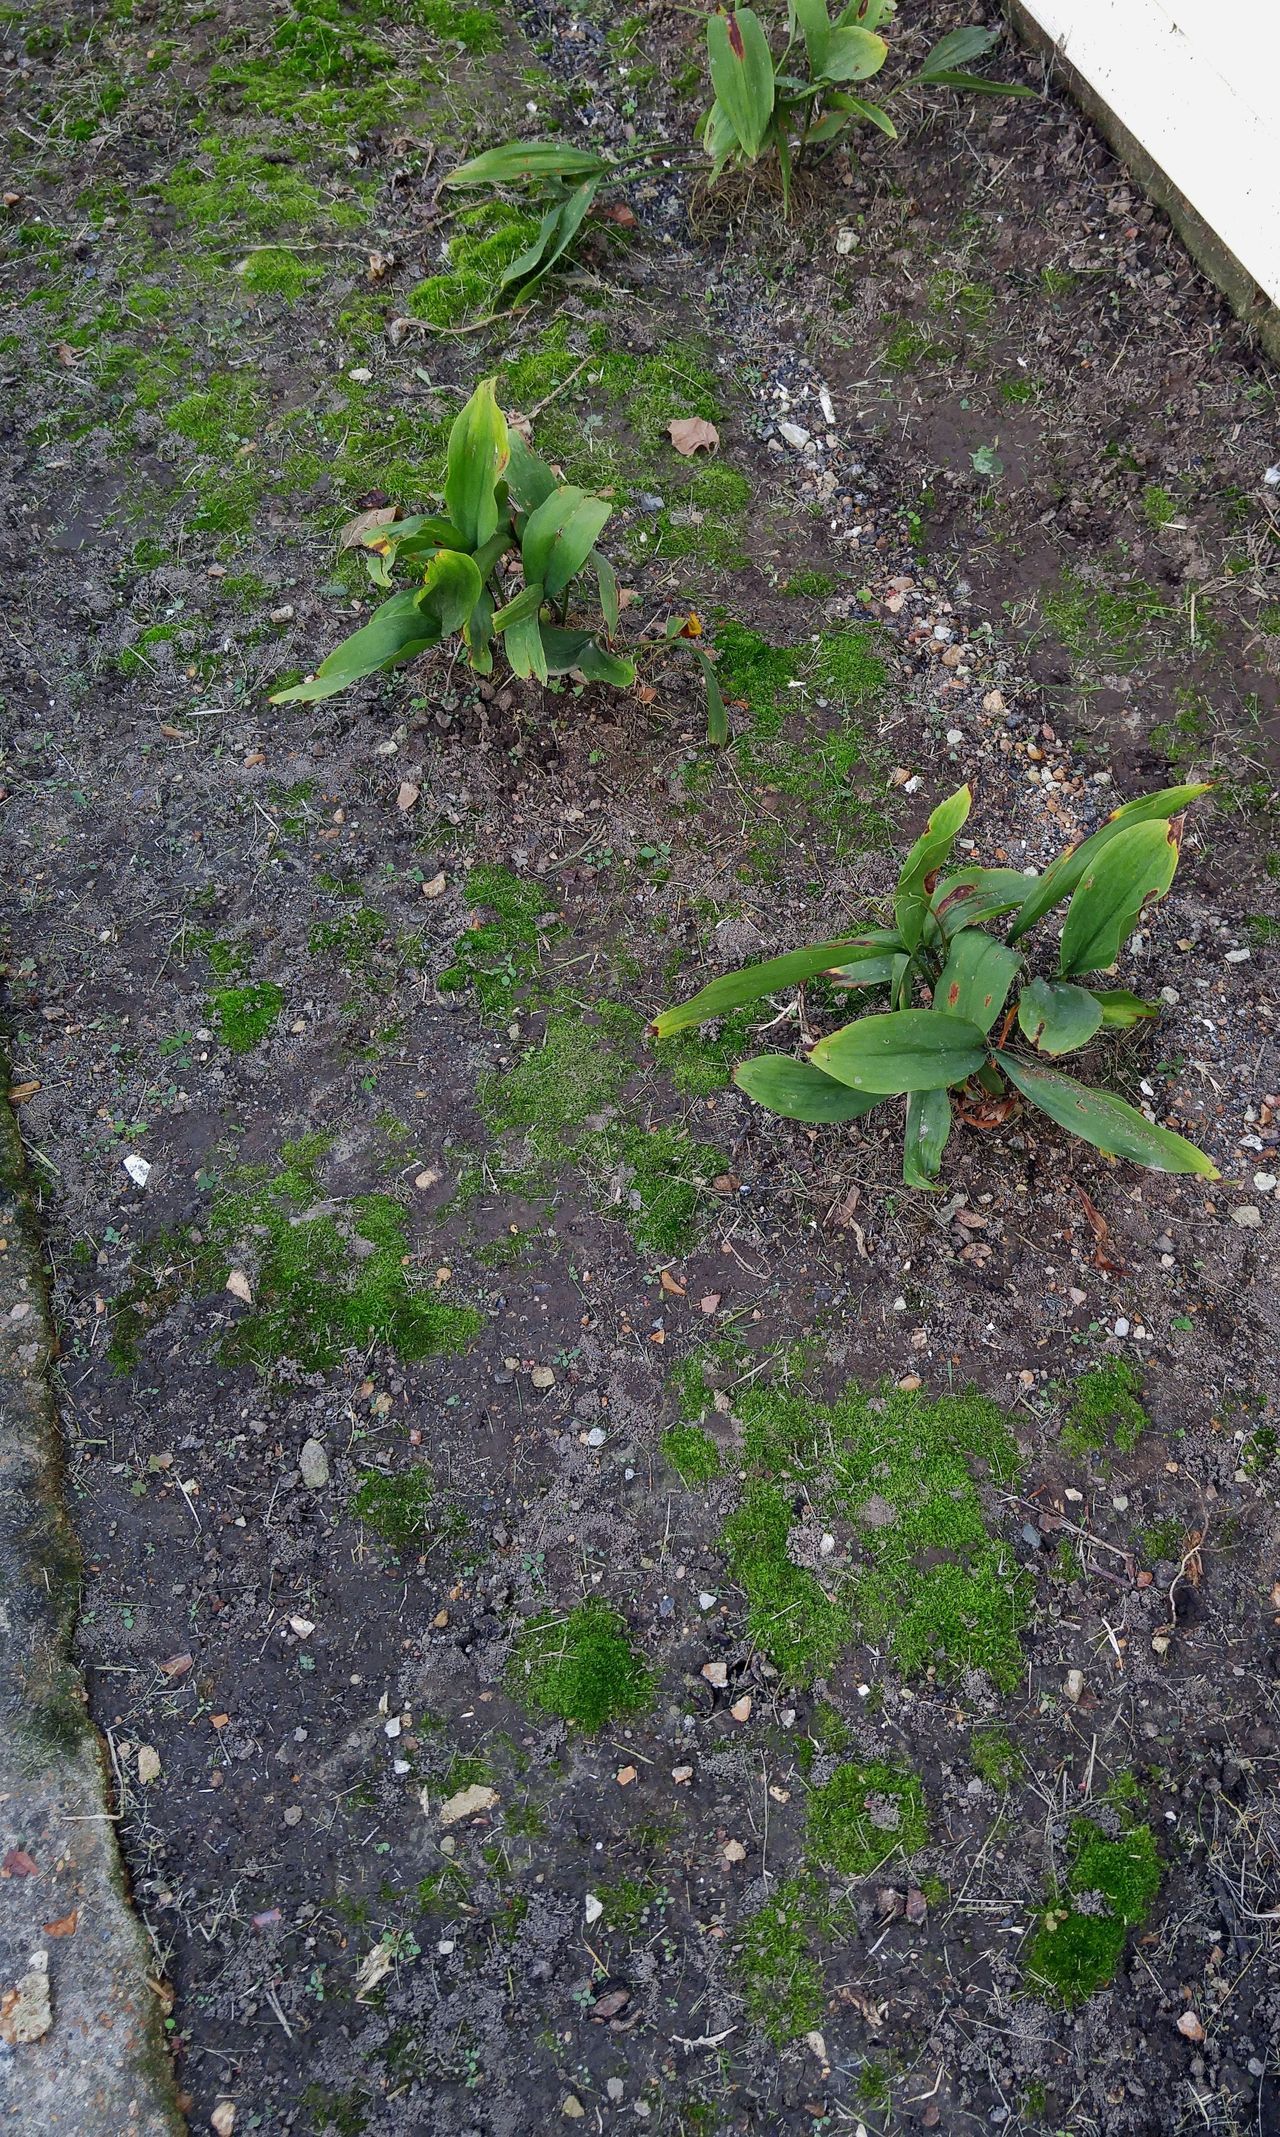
x=395, y=632
x=868, y=971
x=976, y=979
x=827, y=129
x=717, y=716
x=718, y=137
x=854, y=56
x=875, y=114
x=450, y=590
x=1107, y=1122
x=1056, y=1017
x=560, y=535
x=778, y=136
x=931, y=850
x=522, y=644
x=798, y=1091
x=607, y=582
x=410, y=538
x=791, y=970
x=567, y=652
x=902, y=1050
x=478, y=633
x=478, y=453
x=517, y=160
x=814, y=25
x=490, y=553
x=742, y=75
x=973, y=895
x=1122, y=1010
x=525, y=604
x=529, y=479
x=928, y=1127
x=1062, y=876
x=956, y=49
x=556, y=232
x=1135, y=868
x=868, y=14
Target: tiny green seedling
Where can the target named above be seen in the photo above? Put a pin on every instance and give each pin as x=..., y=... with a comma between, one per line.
x=501, y=502
x=938, y=947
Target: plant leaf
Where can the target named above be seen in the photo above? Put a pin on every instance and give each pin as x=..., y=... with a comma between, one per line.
x=791, y=970
x=870, y=13
x=956, y=49
x=869, y=971
x=718, y=137
x=798, y=1091
x=976, y=979
x=560, y=535
x=478, y=454
x=977, y=85
x=522, y=641
x=478, y=634
x=903, y=1050
x=518, y=610
x=1122, y=1010
x=1056, y=1018
x=973, y=895
x=931, y=850
x=1136, y=866
x=854, y=56
x=815, y=27
x=566, y=651
x=529, y=479
x=928, y=1128
x=875, y=114
x=559, y=227
x=1111, y=1125
x=451, y=589
x=742, y=75
x=395, y=632
x=1062, y=876
x=717, y=716
x=517, y=160
x=607, y=582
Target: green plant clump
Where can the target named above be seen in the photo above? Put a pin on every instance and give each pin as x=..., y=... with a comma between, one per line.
x=1107, y=1410
x=780, y=1978
x=1109, y=1889
x=994, y=1756
x=398, y=1508
x=580, y=1667
x=501, y=954
x=958, y=1037
x=864, y=1814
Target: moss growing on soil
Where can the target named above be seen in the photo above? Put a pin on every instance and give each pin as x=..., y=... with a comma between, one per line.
x=699, y=1064
x=399, y=1508
x=897, y=1470
x=1109, y=1889
x=864, y=1814
x=667, y=1174
x=487, y=240
x=1106, y=1413
x=692, y=1453
x=325, y=1276
x=498, y=955
x=277, y=271
x=244, y=1015
x=1101, y=623
x=803, y=736
x=780, y=1978
x=580, y=1667
x=994, y=1756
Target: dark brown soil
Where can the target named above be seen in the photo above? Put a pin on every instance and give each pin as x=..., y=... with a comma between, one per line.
x=1110, y=599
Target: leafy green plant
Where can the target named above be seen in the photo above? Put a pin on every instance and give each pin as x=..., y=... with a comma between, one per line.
x=938, y=946
x=501, y=503
x=803, y=101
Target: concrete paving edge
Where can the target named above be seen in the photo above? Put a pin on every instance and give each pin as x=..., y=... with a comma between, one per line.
x=102, y=2068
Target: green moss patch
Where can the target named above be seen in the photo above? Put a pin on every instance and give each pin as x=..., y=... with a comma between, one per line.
x=1108, y=625
x=1106, y=1412
x=580, y=1667
x=994, y=1756
x=487, y=240
x=692, y=1453
x=1110, y=1886
x=777, y=1971
x=325, y=1277
x=276, y=271
x=405, y=1510
x=502, y=952
x=898, y=1472
x=700, y=1063
x=244, y=1015
x=864, y=1814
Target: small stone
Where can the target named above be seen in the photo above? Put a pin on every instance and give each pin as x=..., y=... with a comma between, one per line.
x=314, y=1465
x=1122, y=1326
x=816, y=2046
x=1190, y=2027
x=596, y=1437
x=706, y=1600
x=593, y=1908
x=795, y=435
x=468, y=1803
x=542, y=1377
x=293, y=1814
x=615, y=2089
x=223, y=2119
x=1248, y=1216
x=625, y=1776
x=741, y=1708
x=572, y=2106
x=734, y=1851
x=138, y=1169
x=1236, y=957
x=716, y=1674
x=1265, y=1182
x=282, y=615
x=148, y=1764
x=26, y=2012
x=1074, y=1686
x=682, y=1775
